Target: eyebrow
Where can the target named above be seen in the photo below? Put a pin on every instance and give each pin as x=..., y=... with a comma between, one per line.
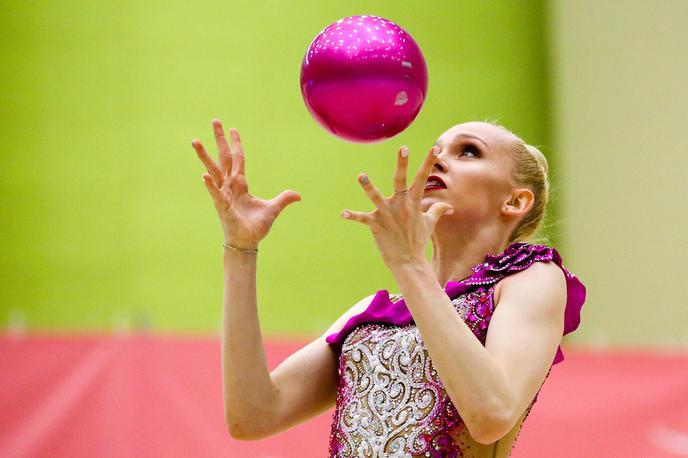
x=468, y=136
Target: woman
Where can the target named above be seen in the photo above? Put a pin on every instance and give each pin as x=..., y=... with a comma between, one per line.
x=454, y=367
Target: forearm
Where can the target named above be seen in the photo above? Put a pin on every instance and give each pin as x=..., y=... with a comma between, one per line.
x=471, y=377
x=247, y=384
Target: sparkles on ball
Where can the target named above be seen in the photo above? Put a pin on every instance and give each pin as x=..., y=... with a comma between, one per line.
x=364, y=79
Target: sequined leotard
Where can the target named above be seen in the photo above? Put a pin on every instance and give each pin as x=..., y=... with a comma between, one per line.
x=390, y=400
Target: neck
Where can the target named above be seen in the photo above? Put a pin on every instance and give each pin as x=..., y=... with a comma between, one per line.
x=458, y=246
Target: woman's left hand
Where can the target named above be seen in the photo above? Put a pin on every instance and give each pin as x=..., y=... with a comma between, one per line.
x=400, y=228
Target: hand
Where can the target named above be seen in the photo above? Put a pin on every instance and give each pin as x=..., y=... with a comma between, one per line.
x=245, y=219
x=400, y=228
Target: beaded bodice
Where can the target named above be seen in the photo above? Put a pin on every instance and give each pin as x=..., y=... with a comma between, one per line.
x=390, y=400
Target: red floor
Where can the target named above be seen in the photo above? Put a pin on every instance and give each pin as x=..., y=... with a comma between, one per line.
x=159, y=396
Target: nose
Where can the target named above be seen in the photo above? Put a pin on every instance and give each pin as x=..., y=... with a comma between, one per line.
x=439, y=163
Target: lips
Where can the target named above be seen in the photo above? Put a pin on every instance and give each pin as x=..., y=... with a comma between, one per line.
x=435, y=182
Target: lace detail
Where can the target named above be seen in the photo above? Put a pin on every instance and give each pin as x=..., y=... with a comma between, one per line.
x=391, y=402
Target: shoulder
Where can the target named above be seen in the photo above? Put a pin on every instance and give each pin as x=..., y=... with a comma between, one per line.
x=542, y=285
x=354, y=310
x=532, y=285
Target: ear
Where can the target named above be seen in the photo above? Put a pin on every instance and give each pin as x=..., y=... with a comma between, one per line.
x=519, y=203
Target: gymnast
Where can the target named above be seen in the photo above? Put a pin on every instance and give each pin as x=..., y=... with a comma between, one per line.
x=452, y=363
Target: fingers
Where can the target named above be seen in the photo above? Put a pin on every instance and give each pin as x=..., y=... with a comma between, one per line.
x=372, y=191
x=215, y=173
x=285, y=198
x=238, y=151
x=438, y=209
x=401, y=170
x=224, y=153
x=374, y=194
x=377, y=198
x=418, y=186
x=212, y=189
x=361, y=217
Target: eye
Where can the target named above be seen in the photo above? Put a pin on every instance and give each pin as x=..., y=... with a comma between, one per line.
x=472, y=149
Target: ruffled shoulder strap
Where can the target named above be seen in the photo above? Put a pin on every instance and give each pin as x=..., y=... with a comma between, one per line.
x=519, y=256
x=516, y=257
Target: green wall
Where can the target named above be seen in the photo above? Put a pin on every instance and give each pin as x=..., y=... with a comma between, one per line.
x=105, y=220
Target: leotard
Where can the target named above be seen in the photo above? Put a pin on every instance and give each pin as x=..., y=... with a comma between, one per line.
x=390, y=399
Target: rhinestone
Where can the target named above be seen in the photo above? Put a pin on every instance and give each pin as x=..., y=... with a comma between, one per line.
x=379, y=349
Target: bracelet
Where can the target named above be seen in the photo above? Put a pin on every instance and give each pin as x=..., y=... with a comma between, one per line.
x=241, y=250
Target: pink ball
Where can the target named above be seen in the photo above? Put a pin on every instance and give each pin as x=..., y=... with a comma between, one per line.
x=364, y=79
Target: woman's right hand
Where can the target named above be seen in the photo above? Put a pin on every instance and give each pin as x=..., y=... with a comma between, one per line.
x=245, y=219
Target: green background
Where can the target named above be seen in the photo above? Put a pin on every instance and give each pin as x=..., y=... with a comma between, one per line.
x=106, y=223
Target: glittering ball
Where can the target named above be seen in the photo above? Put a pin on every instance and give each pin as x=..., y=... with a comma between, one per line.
x=364, y=79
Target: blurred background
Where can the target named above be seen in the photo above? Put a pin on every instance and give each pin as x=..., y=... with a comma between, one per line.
x=111, y=282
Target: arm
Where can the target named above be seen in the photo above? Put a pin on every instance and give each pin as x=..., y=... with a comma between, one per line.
x=307, y=380
x=259, y=404
x=246, y=383
x=249, y=391
x=492, y=385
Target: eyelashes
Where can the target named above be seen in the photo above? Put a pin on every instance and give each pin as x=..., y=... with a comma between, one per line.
x=467, y=148
x=470, y=148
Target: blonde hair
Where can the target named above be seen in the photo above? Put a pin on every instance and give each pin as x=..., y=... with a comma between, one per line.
x=531, y=170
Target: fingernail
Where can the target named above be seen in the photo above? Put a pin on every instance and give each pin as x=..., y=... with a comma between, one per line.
x=436, y=152
x=450, y=211
x=364, y=179
x=345, y=214
x=404, y=152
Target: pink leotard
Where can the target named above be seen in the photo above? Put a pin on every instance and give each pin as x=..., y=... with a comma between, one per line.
x=390, y=400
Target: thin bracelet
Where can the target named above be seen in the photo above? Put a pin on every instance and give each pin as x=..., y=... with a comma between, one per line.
x=240, y=250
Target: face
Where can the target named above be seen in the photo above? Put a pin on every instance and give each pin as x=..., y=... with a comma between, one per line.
x=475, y=165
